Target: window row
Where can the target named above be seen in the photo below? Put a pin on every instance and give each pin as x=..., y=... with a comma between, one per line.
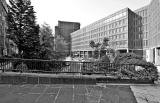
x=143, y=13
x=118, y=43
x=113, y=37
x=102, y=28
x=106, y=20
x=102, y=34
x=119, y=36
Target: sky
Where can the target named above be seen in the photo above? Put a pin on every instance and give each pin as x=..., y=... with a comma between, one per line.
x=83, y=11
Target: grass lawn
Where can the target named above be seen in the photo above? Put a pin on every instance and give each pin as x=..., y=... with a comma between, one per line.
x=61, y=93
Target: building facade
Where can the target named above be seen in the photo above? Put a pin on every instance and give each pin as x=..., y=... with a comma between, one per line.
x=153, y=52
x=124, y=35
x=128, y=31
x=3, y=26
x=63, y=37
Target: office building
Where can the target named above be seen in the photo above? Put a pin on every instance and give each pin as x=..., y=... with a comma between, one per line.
x=124, y=35
x=135, y=31
x=63, y=37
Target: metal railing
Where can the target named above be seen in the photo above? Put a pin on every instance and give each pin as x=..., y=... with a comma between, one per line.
x=69, y=67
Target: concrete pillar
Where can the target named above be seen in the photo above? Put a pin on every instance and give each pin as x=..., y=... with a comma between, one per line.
x=157, y=58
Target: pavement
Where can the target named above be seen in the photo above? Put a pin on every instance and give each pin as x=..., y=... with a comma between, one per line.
x=146, y=94
x=74, y=93
x=61, y=93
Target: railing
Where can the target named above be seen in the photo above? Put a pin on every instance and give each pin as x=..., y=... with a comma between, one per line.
x=69, y=67
x=53, y=66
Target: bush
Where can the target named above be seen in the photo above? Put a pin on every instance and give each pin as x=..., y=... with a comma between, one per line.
x=124, y=57
x=39, y=65
x=132, y=61
x=96, y=54
x=105, y=59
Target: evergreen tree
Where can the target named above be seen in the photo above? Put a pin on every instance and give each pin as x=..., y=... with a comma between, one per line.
x=22, y=28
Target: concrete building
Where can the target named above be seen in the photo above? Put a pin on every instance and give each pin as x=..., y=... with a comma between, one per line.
x=63, y=37
x=151, y=31
x=129, y=31
x=3, y=26
x=153, y=52
x=124, y=35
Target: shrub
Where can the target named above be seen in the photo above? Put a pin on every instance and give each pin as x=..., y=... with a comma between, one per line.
x=124, y=57
x=96, y=54
x=105, y=59
x=127, y=62
x=39, y=65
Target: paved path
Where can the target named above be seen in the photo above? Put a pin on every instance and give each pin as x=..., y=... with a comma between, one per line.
x=65, y=94
x=147, y=94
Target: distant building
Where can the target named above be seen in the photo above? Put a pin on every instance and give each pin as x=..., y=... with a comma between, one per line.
x=62, y=35
x=3, y=27
x=128, y=31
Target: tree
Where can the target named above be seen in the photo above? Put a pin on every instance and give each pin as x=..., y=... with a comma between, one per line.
x=22, y=28
x=102, y=48
x=47, y=42
x=95, y=46
x=92, y=44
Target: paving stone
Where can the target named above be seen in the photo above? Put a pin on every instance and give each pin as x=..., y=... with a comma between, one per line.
x=32, y=80
x=68, y=93
x=146, y=93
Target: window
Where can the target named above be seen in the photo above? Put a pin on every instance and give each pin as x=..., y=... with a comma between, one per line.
x=109, y=31
x=124, y=28
x=115, y=24
x=119, y=36
x=123, y=36
x=146, y=42
x=120, y=22
x=112, y=25
x=109, y=25
x=123, y=21
x=116, y=30
x=115, y=36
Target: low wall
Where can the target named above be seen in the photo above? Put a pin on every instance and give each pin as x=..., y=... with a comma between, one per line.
x=56, y=79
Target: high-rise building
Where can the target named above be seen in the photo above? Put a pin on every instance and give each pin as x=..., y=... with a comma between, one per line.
x=128, y=31
x=3, y=26
x=62, y=35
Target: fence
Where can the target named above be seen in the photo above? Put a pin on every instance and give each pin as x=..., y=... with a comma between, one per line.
x=70, y=67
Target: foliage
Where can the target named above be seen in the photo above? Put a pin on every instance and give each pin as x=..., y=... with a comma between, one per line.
x=92, y=44
x=96, y=54
x=124, y=57
x=105, y=59
x=39, y=65
x=47, y=42
x=127, y=64
x=104, y=43
x=100, y=49
x=61, y=46
x=22, y=28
